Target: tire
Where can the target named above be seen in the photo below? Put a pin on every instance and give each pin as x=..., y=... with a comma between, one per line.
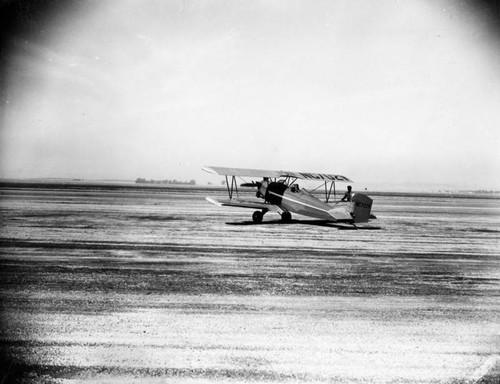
x=257, y=217
x=286, y=217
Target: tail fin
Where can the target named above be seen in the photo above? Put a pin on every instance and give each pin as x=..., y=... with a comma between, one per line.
x=361, y=206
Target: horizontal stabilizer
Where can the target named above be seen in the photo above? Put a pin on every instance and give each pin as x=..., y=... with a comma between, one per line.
x=341, y=213
x=358, y=211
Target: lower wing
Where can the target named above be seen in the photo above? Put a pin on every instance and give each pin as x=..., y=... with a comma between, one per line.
x=243, y=204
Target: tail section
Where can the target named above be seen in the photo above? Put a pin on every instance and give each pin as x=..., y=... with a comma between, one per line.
x=361, y=206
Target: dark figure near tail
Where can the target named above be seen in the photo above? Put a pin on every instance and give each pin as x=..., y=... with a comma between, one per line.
x=347, y=195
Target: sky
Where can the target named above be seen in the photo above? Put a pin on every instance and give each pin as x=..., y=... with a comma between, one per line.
x=392, y=94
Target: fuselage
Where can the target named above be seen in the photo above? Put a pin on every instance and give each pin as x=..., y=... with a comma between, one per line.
x=292, y=199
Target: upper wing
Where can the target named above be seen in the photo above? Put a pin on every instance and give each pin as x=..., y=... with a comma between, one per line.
x=316, y=176
x=266, y=173
x=242, y=172
x=243, y=204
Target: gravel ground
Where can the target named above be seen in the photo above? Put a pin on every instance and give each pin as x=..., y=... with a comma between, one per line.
x=113, y=285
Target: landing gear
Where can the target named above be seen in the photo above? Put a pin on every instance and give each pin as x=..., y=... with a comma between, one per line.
x=286, y=217
x=257, y=217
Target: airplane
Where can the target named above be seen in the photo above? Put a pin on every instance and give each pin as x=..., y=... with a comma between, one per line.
x=282, y=194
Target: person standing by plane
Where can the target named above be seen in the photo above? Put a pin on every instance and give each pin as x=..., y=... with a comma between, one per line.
x=347, y=195
x=261, y=191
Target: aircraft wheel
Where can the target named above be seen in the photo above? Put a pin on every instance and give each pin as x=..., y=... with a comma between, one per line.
x=286, y=217
x=257, y=217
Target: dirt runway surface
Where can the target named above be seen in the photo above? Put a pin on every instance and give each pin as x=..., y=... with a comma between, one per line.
x=117, y=284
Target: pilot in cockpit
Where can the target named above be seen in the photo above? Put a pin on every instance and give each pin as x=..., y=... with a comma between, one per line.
x=294, y=188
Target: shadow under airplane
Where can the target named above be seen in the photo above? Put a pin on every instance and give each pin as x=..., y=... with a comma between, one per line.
x=319, y=223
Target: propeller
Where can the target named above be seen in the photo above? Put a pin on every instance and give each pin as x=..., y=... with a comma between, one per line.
x=253, y=184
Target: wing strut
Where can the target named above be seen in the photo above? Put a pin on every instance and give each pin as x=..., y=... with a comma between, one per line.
x=233, y=188
x=328, y=193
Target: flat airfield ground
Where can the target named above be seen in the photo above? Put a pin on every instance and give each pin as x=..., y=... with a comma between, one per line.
x=116, y=284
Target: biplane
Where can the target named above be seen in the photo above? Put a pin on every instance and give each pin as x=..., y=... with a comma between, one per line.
x=281, y=193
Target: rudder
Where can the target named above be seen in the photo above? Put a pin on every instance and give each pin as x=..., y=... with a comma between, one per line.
x=361, y=206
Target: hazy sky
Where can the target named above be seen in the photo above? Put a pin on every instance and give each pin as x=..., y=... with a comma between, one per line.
x=385, y=92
